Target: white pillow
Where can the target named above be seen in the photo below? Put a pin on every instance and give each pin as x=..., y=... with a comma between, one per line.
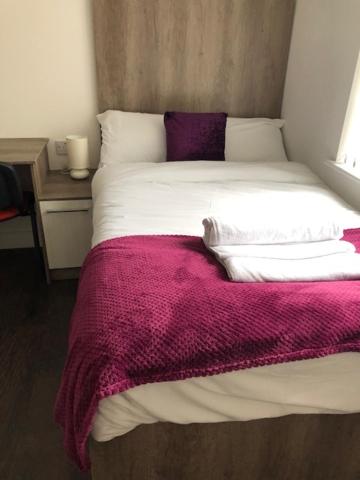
x=132, y=137
x=140, y=137
x=254, y=139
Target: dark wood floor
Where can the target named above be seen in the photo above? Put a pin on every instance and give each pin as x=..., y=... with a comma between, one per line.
x=34, y=320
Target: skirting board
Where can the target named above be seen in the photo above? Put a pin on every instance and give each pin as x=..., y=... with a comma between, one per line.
x=295, y=447
x=65, y=273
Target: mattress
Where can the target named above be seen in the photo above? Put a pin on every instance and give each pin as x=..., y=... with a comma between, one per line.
x=173, y=198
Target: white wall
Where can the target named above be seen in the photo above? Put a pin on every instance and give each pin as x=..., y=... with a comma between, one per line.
x=47, y=80
x=322, y=62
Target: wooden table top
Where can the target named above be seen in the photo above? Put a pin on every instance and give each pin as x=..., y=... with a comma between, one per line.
x=59, y=186
x=21, y=151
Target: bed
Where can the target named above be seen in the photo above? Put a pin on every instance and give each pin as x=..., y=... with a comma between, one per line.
x=277, y=420
x=172, y=199
x=167, y=199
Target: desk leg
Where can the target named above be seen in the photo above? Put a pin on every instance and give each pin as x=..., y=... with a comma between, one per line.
x=37, y=172
x=43, y=244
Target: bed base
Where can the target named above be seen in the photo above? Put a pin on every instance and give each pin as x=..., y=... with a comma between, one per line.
x=295, y=447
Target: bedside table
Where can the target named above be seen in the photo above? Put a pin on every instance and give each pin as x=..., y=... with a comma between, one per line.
x=66, y=218
x=64, y=207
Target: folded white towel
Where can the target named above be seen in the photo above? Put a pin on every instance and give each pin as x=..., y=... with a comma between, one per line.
x=266, y=230
x=342, y=266
x=285, y=251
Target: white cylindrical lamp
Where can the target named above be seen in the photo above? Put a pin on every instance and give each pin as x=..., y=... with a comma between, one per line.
x=78, y=154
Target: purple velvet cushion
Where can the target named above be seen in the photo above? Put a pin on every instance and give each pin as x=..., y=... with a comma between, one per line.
x=195, y=136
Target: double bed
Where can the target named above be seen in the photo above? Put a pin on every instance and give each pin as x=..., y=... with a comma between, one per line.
x=163, y=399
x=172, y=199
x=169, y=200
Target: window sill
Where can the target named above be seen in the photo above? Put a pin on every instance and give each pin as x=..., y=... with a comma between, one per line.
x=343, y=169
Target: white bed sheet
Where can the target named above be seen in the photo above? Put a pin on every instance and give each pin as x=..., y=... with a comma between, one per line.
x=173, y=198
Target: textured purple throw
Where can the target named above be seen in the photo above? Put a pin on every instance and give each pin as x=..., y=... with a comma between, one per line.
x=158, y=308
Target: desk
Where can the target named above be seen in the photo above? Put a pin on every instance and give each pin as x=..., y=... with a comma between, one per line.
x=63, y=206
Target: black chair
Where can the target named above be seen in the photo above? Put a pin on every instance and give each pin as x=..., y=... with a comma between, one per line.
x=16, y=203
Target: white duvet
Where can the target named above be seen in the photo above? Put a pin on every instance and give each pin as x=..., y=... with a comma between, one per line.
x=173, y=198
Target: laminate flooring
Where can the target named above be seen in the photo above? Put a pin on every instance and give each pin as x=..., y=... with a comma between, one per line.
x=34, y=319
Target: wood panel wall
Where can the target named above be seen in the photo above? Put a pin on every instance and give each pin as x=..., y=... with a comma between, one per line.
x=192, y=55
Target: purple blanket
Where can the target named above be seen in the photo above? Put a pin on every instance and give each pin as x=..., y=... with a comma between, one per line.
x=159, y=308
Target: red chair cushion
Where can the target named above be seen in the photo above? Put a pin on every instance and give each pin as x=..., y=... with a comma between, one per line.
x=8, y=213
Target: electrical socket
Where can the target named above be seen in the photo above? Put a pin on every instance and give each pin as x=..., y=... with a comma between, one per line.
x=60, y=147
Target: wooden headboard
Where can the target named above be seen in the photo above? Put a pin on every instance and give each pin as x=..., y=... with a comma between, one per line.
x=192, y=55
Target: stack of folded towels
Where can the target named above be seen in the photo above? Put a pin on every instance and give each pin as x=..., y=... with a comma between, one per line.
x=281, y=250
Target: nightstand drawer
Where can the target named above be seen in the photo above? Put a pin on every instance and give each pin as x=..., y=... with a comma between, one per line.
x=67, y=229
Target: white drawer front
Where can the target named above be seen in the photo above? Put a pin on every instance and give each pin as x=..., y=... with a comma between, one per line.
x=67, y=229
